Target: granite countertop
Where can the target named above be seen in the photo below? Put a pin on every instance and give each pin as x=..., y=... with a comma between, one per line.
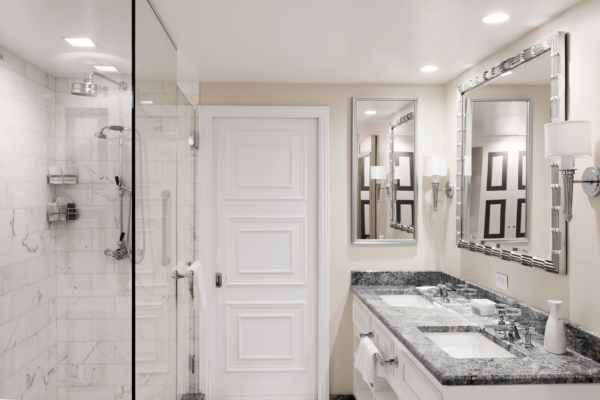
x=531, y=366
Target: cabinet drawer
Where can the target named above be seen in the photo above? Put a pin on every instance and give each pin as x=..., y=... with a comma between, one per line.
x=412, y=381
x=361, y=317
x=385, y=344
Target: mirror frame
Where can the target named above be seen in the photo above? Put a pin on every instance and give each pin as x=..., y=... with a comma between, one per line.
x=556, y=45
x=354, y=181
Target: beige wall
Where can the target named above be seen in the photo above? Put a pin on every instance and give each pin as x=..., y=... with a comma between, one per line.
x=346, y=257
x=578, y=289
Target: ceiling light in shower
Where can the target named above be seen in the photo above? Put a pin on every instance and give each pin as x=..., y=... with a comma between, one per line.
x=495, y=18
x=106, y=68
x=146, y=102
x=370, y=112
x=506, y=73
x=429, y=68
x=81, y=42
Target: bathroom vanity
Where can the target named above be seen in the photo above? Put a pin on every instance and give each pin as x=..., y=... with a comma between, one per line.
x=436, y=350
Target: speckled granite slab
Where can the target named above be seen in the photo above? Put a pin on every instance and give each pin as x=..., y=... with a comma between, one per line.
x=531, y=366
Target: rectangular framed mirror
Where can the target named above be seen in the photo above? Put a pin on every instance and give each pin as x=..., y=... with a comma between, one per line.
x=384, y=186
x=509, y=194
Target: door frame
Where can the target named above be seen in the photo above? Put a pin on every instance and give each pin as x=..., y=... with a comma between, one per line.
x=206, y=224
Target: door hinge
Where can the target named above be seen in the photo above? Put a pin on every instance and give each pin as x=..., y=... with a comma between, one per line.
x=219, y=280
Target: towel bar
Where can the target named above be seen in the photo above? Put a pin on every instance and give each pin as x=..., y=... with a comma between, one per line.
x=369, y=335
x=177, y=275
x=382, y=362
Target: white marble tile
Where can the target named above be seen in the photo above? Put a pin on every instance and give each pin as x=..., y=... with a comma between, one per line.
x=74, y=240
x=111, y=284
x=37, y=318
x=74, y=375
x=24, y=352
x=6, y=309
x=62, y=85
x=74, y=330
x=92, y=393
x=123, y=306
x=47, y=337
x=188, y=87
x=85, y=262
x=6, y=195
x=91, y=352
x=74, y=284
x=62, y=393
x=111, y=374
x=25, y=300
x=7, y=227
x=123, y=352
x=111, y=329
x=123, y=393
x=5, y=253
x=90, y=307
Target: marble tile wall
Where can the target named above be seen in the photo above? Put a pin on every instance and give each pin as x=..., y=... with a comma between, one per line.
x=28, y=292
x=94, y=292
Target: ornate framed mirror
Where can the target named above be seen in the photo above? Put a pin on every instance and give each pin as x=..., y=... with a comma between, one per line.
x=508, y=194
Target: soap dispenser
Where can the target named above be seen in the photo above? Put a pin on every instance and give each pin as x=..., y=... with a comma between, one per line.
x=554, y=339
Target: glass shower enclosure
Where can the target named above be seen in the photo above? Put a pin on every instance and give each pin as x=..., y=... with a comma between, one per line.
x=166, y=333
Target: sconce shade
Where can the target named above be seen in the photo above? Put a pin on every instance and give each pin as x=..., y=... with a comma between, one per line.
x=398, y=172
x=468, y=166
x=435, y=166
x=568, y=138
x=378, y=172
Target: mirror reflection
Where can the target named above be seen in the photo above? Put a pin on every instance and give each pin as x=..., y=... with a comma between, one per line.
x=505, y=166
x=384, y=186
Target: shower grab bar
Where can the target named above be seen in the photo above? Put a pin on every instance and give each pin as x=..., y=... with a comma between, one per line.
x=165, y=259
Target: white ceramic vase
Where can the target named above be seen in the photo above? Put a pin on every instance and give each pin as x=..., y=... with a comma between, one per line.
x=554, y=338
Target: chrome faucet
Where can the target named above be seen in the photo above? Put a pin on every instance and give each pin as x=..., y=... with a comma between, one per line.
x=443, y=292
x=512, y=331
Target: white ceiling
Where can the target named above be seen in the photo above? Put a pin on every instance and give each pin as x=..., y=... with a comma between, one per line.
x=342, y=41
x=32, y=30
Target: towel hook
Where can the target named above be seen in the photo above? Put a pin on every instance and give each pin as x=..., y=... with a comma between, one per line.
x=177, y=275
x=369, y=335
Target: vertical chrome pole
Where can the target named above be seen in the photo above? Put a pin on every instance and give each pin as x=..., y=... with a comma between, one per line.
x=165, y=195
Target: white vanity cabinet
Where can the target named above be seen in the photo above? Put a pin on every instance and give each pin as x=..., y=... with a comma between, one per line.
x=412, y=381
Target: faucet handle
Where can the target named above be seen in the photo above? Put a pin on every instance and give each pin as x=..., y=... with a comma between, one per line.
x=512, y=313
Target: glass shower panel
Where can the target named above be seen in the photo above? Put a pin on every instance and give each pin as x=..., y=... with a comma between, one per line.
x=156, y=196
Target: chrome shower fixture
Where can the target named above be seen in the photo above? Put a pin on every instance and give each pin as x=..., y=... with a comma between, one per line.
x=90, y=89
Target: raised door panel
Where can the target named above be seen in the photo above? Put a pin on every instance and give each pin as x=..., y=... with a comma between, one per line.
x=266, y=251
x=267, y=336
x=385, y=344
x=361, y=317
x=413, y=384
x=266, y=165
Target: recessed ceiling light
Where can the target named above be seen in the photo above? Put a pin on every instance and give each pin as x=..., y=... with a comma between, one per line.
x=506, y=73
x=429, y=68
x=495, y=18
x=370, y=112
x=106, y=68
x=146, y=102
x=81, y=42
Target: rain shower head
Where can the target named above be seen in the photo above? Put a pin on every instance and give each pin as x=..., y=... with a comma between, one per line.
x=89, y=89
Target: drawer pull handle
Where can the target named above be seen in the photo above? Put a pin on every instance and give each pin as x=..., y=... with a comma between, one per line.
x=369, y=335
x=382, y=362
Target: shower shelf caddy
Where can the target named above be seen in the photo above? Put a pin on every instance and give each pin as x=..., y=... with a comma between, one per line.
x=71, y=215
x=49, y=178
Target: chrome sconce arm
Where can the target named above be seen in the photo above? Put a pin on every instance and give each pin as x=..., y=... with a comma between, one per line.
x=449, y=190
x=590, y=183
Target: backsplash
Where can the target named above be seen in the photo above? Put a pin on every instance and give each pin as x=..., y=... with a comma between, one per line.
x=579, y=339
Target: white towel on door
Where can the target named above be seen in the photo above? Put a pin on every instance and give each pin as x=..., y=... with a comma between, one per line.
x=197, y=285
x=365, y=361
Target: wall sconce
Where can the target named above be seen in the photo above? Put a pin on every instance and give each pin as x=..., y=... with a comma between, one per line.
x=567, y=140
x=378, y=174
x=436, y=166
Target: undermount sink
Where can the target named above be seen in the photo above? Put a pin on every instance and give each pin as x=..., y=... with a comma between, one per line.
x=468, y=345
x=406, y=300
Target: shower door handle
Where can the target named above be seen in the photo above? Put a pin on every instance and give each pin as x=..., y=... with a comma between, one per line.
x=165, y=259
x=219, y=280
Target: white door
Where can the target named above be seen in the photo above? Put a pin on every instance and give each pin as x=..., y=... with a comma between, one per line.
x=266, y=243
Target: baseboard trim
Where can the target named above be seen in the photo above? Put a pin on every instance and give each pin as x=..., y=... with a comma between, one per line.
x=341, y=397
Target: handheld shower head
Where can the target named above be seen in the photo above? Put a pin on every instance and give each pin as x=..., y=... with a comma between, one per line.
x=100, y=135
